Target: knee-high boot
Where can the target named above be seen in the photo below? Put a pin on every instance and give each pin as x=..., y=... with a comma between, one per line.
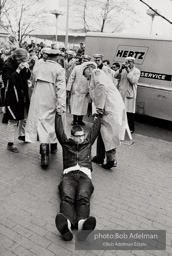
x=44, y=151
x=53, y=147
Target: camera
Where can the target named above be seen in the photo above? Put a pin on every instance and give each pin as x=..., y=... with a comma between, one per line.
x=124, y=66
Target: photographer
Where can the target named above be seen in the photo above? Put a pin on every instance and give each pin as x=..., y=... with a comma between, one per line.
x=128, y=76
x=15, y=73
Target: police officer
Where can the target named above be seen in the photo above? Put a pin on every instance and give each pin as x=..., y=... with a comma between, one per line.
x=78, y=93
x=98, y=58
x=69, y=63
x=48, y=97
x=106, y=97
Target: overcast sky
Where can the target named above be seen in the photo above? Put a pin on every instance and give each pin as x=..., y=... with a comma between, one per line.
x=160, y=26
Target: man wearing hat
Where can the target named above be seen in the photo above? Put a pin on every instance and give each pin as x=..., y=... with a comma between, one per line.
x=69, y=63
x=48, y=97
x=43, y=57
x=106, y=97
x=128, y=76
x=78, y=92
x=98, y=58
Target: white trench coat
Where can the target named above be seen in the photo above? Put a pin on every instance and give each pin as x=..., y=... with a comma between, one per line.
x=128, y=87
x=49, y=96
x=78, y=86
x=106, y=96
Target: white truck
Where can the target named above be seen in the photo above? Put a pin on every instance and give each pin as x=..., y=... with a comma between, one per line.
x=153, y=56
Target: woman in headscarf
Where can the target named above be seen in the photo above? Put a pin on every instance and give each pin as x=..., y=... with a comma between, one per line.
x=15, y=74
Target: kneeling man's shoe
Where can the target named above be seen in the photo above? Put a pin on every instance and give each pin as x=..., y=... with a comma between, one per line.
x=88, y=226
x=97, y=160
x=110, y=164
x=64, y=227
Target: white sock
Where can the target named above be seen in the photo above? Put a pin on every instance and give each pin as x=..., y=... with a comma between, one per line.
x=69, y=225
x=80, y=224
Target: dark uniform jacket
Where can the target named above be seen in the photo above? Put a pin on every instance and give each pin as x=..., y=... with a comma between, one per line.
x=74, y=153
x=17, y=97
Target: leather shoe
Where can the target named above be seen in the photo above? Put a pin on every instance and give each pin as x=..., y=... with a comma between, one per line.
x=12, y=148
x=97, y=160
x=110, y=164
x=22, y=138
x=88, y=226
x=62, y=225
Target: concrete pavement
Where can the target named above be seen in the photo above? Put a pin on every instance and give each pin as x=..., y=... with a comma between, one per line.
x=134, y=195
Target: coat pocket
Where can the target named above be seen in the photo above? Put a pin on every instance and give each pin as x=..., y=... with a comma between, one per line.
x=130, y=92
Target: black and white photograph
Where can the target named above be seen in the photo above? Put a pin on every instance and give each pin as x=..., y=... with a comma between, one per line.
x=85, y=128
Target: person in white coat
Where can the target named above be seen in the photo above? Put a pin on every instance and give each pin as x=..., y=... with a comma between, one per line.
x=69, y=63
x=128, y=76
x=78, y=93
x=48, y=97
x=106, y=97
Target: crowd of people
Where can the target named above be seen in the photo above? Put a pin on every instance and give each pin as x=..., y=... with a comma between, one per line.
x=41, y=84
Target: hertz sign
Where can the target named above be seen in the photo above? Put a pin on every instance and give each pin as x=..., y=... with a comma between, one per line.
x=137, y=52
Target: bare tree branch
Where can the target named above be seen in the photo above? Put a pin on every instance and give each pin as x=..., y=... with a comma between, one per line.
x=22, y=16
x=99, y=14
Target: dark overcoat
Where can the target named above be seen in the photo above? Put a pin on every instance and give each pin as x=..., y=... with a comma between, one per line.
x=17, y=97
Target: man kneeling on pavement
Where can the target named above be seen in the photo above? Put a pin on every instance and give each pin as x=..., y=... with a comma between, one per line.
x=76, y=186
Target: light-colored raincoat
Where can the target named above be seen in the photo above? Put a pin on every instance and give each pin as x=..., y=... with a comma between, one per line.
x=78, y=86
x=106, y=96
x=69, y=65
x=128, y=87
x=49, y=96
x=110, y=73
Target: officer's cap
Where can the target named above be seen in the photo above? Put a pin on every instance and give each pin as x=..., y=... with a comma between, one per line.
x=70, y=52
x=130, y=59
x=97, y=56
x=53, y=52
x=86, y=57
x=44, y=49
x=88, y=64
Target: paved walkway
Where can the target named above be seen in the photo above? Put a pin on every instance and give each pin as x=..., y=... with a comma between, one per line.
x=135, y=195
